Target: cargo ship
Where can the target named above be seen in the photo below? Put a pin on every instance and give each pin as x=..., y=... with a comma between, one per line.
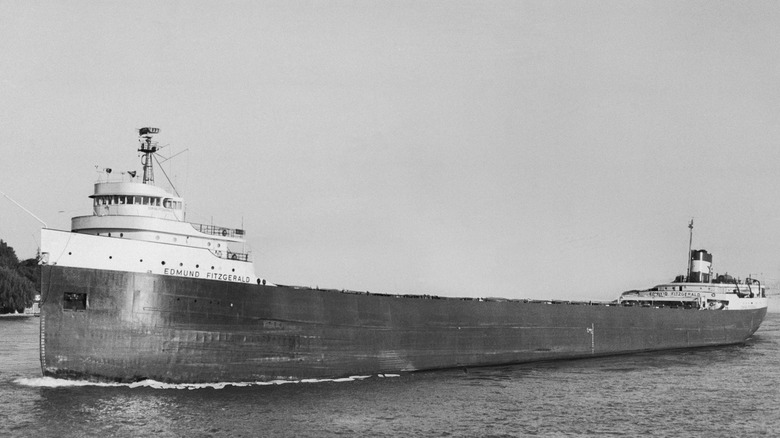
x=134, y=291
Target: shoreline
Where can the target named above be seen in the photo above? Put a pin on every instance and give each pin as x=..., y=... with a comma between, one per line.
x=18, y=315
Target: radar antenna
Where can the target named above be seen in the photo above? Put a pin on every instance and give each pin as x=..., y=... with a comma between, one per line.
x=148, y=148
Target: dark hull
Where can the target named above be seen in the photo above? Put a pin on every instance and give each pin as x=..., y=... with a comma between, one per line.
x=172, y=329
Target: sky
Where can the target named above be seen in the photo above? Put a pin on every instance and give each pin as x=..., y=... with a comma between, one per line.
x=522, y=149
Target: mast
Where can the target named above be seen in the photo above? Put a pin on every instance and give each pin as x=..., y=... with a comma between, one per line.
x=147, y=149
x=690, y=243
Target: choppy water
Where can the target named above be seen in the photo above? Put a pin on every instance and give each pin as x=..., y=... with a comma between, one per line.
x=724, y=391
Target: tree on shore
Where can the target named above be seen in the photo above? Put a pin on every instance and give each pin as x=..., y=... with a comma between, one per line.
x=18, y=280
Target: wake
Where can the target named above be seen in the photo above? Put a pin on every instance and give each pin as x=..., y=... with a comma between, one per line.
x=51, y=382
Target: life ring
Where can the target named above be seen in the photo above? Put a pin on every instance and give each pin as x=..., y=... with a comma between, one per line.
x=713, y=295
x=218, y=253
x=234, y=257
x=224, y=232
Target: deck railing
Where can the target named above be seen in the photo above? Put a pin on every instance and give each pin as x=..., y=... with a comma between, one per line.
x=240, y=256
x=215, y=230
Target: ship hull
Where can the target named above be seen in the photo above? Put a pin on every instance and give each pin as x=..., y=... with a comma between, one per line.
x=126, y=326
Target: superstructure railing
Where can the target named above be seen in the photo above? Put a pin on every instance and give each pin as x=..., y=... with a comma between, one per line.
x=215, y=230
x=240, y=256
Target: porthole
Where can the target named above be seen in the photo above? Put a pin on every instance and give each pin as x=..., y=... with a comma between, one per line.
x=110, y=257
x=142, y=260
x=208, y=243
x=234, y=269
x=197, y=266
x=69, y=253
x=109, y=234
x=181, y=264
x=163, y=262
x=121, y=234
x=157, y=237
x=212, y=268
x=219, y=245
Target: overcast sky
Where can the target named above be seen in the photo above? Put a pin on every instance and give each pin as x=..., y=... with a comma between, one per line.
x=480, y=148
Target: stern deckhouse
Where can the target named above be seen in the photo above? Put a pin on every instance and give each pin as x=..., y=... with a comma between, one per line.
x=700, y=290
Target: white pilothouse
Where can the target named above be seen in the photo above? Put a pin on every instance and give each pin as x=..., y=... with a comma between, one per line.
x=139, y=227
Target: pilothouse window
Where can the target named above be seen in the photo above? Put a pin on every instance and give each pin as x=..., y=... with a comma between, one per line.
x=171, y=204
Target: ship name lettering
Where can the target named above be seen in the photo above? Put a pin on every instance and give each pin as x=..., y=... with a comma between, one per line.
x=227, y=277
x=209, y=275
x=674, y=294
x=182, y=272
